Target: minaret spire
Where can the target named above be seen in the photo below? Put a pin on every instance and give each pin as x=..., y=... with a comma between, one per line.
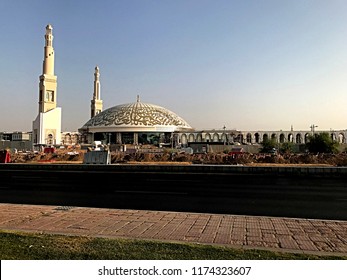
x=48, y=81
x=96, y=95
x=96, y=102
x=48, y=62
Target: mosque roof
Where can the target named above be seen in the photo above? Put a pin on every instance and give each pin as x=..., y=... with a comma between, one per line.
x=137, y=116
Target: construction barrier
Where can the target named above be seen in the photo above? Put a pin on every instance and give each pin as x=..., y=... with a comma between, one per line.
x=97, y=157
x=5, y=156
x=49, y=150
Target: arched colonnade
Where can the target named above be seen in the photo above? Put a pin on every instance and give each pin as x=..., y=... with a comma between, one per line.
x=254, y=137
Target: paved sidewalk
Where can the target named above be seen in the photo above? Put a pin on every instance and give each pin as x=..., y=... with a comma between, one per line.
x=283, y=234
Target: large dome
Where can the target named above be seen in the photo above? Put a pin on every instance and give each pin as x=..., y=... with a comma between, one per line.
x=137, y=116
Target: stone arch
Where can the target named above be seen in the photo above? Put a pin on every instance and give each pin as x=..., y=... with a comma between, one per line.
x=257, y=137
x=265, y=137
x=282, y=138
x=199, y=137
x=215, y=137
x=274, y=136
x=290, y=138
x=208, y=137
x=239, y=138
x=298, y=138
x=184, y=139
x=224, y=138
x=333, y=136
x=191, y=137
x=231, y=137
x=249, y=138
x=341, y=138
x=68, y=138
x=76, y=138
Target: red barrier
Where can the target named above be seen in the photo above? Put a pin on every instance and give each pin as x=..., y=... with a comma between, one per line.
x=49, y=150
x=5, y=157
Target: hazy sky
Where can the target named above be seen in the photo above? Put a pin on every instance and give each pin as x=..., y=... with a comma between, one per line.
x=245, y=64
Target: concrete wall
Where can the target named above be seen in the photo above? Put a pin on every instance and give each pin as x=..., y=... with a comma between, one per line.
x=19, y=145
x=186, y=169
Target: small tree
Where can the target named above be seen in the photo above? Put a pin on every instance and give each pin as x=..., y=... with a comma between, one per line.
x=268, y=145
x=321, y=143
x=287, y=147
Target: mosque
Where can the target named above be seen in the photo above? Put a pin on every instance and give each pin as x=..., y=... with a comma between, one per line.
x=133, y=123
x=137, y=122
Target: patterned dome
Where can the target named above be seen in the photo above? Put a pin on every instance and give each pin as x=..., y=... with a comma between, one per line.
x=137, y=116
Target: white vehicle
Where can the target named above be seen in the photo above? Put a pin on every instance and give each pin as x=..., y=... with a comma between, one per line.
x=97, y=146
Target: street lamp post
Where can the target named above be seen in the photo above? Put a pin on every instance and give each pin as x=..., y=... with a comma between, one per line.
x=224, y=135
x=313, y=127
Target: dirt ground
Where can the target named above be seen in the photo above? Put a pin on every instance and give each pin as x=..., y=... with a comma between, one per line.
x=76, y=156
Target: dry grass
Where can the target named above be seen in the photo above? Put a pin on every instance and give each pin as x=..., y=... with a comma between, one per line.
x=159, y=162
x=289, y=164
x=167, y=158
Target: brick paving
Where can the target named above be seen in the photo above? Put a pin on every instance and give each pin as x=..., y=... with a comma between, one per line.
x=280, y=234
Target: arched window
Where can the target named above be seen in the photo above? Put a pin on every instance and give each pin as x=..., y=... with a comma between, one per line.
x=298, y=138
x=199, y=137
x=249, y=138
x=265, y=137
x=215, y=137
x=282, y=138
x=290, y=138
x=191, y=138
x=184, y=140
x=341, y=138
x=257, y=137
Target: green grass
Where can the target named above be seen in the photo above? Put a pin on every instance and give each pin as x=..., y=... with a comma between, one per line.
x=24, y=246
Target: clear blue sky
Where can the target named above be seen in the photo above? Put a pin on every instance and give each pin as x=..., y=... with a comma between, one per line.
x=245, y=64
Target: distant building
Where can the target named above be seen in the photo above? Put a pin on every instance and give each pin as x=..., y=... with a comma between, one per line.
x=70, y=138
x=15, y=136
x=21, y=136
x=20, y=141
x=5, y=136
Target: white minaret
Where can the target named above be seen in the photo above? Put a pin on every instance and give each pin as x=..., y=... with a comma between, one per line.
x=96, y=102
x=48, y=82
x=47, y=125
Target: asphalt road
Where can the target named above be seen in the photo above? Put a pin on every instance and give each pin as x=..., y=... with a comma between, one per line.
x=244, y=193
